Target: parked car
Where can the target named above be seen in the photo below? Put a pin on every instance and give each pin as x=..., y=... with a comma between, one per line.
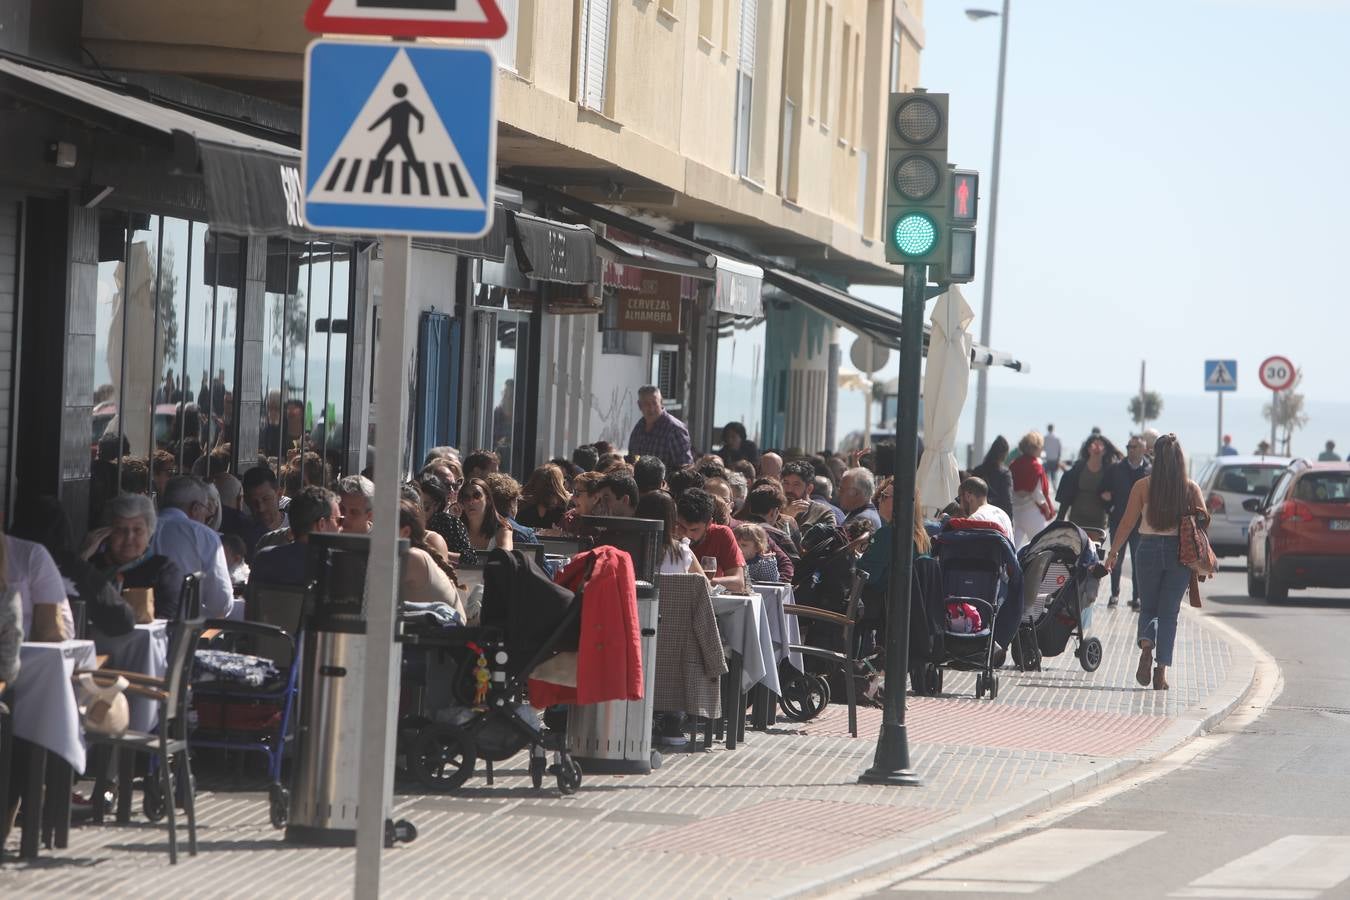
x=1301, y=535
x=1226, y=484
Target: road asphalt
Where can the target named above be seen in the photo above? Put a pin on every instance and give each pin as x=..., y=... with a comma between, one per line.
x=1263, y=813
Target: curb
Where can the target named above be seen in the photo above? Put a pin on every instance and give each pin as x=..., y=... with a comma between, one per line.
x=1077, y=781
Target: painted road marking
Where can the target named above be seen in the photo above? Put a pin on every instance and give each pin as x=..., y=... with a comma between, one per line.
x=1297, y=867
x=1045, y=857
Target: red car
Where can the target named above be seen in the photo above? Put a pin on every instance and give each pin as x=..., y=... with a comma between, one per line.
x=1301, y=535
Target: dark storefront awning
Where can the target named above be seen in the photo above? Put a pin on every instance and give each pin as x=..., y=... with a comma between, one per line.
x=554, y=251
x=868, y=319
x=252, y=184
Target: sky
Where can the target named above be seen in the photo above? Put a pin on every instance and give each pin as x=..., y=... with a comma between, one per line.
x=1175, y=177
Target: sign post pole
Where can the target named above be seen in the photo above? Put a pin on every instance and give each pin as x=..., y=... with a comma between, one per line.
x=1219, y=439
x=1277, y=374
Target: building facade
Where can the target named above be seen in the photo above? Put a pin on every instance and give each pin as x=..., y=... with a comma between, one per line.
x=685, y=189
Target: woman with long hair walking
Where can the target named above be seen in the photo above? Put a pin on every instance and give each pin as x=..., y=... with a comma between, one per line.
x=1157, y=503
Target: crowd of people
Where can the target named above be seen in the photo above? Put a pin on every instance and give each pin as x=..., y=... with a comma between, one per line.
x=736, y=515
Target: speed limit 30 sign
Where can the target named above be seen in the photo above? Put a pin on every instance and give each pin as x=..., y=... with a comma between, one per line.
x=1277, y=373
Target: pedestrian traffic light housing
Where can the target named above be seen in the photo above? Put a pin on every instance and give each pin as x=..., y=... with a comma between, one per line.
x=962, y=213
x=917, y=180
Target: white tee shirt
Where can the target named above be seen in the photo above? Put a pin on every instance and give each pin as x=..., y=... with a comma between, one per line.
x=679, y=562
x=31, y=571
x=991, y=513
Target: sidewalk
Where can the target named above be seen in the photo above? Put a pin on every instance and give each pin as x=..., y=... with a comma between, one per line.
x=781, y=814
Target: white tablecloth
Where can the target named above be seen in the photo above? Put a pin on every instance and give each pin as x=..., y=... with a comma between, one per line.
x=44, y=698
x=784, y=629
x=144, y=649
x=745, y=629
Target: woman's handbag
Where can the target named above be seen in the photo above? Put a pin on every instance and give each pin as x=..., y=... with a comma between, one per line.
x=1194, y=551
x=103, y=707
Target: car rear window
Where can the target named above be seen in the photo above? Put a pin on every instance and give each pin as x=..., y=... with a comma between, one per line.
x=1324, y=487
x=1254, y=481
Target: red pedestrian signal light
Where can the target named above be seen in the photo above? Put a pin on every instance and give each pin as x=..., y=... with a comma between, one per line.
x=965, y=199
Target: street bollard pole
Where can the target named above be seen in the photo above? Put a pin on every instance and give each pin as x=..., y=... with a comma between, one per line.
x=891, y=764
x=1220, y=438
x=379, y=699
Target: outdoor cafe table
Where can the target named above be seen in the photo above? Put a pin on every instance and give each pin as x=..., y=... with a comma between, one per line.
x=744, y=624
x=785, y=631
x=144, y=649
x=45, y=715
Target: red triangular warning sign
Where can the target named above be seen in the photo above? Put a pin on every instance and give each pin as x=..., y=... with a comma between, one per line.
x=408, y=18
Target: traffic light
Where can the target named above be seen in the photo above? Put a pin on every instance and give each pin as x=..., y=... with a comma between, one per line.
x=917, y=181
x=962, y=213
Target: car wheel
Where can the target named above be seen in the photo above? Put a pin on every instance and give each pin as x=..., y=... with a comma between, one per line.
x=1256, y=587
x=1276, y=590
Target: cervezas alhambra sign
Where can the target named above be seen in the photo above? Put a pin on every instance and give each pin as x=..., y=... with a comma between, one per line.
x=654, y=307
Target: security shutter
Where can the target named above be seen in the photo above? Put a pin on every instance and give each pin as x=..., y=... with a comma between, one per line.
x=749, y=20
x=594, y=52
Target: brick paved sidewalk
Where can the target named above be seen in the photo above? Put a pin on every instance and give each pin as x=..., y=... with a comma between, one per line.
x=779, y=814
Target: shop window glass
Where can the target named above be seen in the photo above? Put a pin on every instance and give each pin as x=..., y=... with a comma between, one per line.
x=175, y=252
x=281, y=274
x=740, y=375
x=330, y=432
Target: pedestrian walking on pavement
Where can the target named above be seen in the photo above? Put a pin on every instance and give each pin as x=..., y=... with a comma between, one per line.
x=1228, y=449
x=1054, y=452
x=1080, y=491
x=1031, y=490
x=1157, y=503
x=1120, y=480
x=995, y=473
x=1329, y=454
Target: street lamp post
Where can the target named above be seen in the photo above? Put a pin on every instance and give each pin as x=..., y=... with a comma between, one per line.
x=987, y=306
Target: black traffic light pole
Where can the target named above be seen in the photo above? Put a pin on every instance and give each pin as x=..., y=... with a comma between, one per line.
x=891, y=764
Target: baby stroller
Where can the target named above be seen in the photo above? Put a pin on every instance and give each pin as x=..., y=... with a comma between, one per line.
x=465, y=687
x=1061, y=573
x=822, y=578
x=981, y=590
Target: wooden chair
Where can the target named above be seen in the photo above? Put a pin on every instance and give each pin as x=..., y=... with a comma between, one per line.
x=170, y=742
x=846, y=660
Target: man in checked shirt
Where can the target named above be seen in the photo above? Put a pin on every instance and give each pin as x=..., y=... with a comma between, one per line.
x=659, y=433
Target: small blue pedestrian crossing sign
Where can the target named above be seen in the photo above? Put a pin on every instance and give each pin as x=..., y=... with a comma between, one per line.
x=1221, y=375
x=399, y=139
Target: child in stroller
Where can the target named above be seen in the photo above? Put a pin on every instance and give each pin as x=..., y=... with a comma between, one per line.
x=976, y=612
x=1062, y=571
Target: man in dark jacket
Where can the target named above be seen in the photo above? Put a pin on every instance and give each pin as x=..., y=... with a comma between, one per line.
x=1116, y=486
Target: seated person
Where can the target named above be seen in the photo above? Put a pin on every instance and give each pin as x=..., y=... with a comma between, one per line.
x=426, y=578
x=693, y=519
x=676, y=557
x=973, y=497
x=235, y=552
x=615, y=495
x=121, y=555
x=314, y=510
x=760, y=563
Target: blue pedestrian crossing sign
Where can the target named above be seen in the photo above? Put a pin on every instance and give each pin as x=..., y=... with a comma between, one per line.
x=1221, y=374
x=399, y=139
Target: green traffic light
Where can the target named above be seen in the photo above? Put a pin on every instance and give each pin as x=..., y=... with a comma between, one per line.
x=915, y=234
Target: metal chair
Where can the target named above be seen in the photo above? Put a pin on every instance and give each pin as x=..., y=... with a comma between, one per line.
x=847, y=660
x=169, y=744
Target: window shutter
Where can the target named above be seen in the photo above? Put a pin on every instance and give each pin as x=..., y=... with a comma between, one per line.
x=595, y=53
x=749, y=21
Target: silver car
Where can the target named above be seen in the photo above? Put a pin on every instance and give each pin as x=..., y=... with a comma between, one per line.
x=1227, y=483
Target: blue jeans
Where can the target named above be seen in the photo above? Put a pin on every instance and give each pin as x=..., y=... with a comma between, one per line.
x=1131, y=547
x=1162, y=582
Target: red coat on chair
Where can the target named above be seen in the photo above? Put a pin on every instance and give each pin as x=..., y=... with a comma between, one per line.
x=609, y=652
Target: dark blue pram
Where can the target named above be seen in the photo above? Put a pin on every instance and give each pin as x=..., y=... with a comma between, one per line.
x=1062, y=572
x=979, y=568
